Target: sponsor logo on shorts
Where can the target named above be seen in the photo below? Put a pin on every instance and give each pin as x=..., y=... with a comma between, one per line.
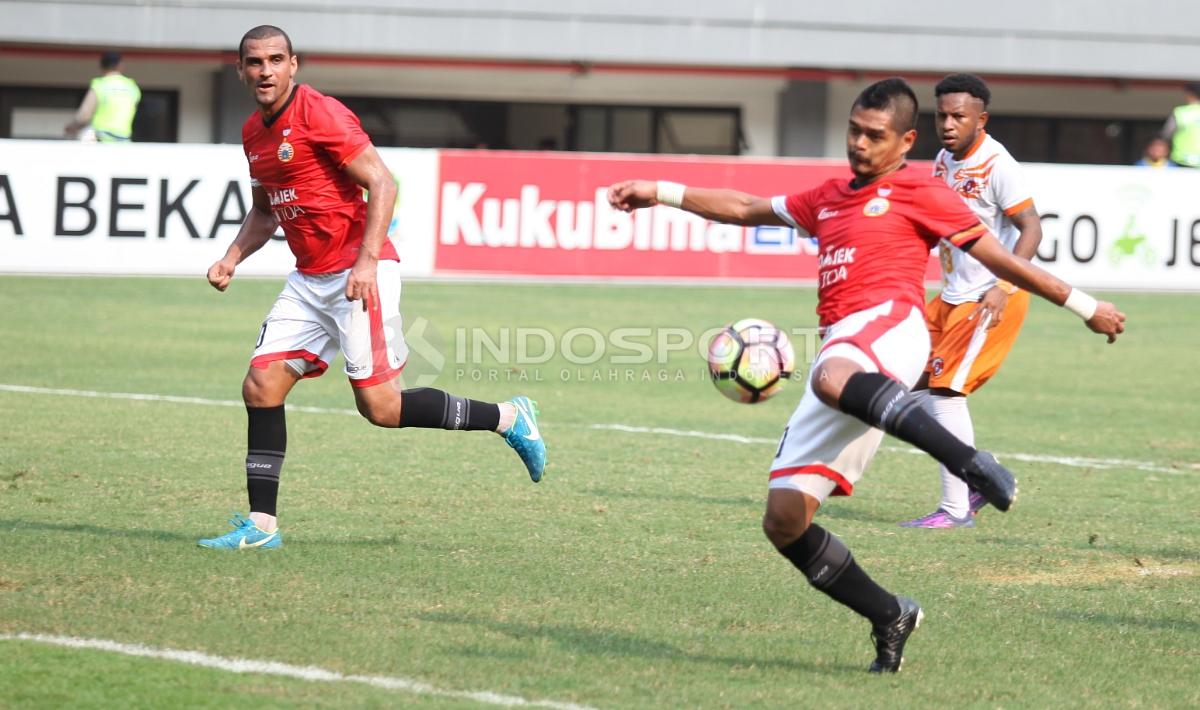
x=937, y=364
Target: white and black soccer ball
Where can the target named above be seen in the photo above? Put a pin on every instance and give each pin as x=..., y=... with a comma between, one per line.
x=750, y=360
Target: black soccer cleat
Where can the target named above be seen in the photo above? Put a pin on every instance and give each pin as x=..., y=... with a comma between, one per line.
x=994, y=482
x=889, y=640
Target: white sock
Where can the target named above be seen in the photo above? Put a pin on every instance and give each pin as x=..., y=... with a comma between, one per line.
x=263, y=522
x=952, y=413
x=508, y=417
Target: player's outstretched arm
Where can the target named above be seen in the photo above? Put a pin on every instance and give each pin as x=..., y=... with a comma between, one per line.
x=719, y=205
x=1100, y=316
x=256, y=231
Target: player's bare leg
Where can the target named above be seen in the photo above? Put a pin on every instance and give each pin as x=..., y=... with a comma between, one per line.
x=264, y=390
x=883, y=403
x=828, y=565
x=428, y=408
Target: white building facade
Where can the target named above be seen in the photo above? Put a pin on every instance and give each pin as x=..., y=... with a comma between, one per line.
x=762, y=78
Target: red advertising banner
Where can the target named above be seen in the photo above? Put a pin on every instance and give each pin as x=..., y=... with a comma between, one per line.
x=546, y=214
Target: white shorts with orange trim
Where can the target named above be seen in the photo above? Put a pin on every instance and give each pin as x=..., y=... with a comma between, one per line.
x=312, y=320
x=824, y=452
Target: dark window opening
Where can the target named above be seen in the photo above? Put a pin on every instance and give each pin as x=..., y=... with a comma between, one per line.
x=42, y=112
x=1057, y=139
x=434, y=123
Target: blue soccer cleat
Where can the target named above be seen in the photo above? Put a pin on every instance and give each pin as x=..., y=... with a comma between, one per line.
x=244, y=536
x=525, y=438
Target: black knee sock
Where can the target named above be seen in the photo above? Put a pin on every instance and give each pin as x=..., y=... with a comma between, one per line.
x=266, y=442
x=829, y=566
x=428, y=408
x=882, y=402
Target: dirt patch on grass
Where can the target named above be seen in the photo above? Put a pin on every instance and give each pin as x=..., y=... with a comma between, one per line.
x=1066, y=574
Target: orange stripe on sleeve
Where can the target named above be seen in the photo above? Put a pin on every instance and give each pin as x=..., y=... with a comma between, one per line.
x=967, y=235
x=1027, y=202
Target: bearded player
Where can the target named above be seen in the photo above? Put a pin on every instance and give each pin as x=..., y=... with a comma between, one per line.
x=874, y=234
x=309, y=164
x=974, y=322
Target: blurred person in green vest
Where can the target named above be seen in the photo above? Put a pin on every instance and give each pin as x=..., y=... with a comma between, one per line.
x=109, y=106
x=1182, y=129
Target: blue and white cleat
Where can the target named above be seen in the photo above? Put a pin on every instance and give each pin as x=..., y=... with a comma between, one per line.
x=244, y=536
x=525, y=438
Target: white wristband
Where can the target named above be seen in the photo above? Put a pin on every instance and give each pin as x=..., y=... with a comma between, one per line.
x=670, y=194
x=1081, y=304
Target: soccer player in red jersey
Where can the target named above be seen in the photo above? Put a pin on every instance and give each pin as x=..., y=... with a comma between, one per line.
x=309, y=164
x=874, y=235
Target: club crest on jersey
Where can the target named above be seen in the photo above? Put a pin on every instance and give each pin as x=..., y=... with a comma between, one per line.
x=286, y=152
x=876, y=207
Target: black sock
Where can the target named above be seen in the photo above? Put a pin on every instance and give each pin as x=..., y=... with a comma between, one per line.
x=266, y=442
x=829, y=566
x=883, y=403
x=429, y=408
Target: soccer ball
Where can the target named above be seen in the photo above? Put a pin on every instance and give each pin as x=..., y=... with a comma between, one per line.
x=750, y=360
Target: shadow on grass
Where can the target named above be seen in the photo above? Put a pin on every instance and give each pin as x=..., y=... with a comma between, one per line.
x=611, y=643
x=17, y=525
x=88, y=529
x=755, y=502
x=1080, y=544
x=1145, y=552
x=1117, y=620
x=858, y=514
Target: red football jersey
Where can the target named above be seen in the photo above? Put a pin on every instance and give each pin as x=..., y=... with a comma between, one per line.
x=298, y=156
x=874, y=241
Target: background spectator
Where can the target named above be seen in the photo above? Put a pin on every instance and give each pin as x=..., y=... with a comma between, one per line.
x=109, y=106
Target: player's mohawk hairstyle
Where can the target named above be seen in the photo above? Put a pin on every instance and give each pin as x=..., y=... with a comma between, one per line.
x=263, y=32
x=964, y=84
x=895, y=96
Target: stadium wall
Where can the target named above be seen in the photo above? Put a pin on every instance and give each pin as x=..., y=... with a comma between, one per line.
x=173, y=209
x=1148, y=39
x=197, y=78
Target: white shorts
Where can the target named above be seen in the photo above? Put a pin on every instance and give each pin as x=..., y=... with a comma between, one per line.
x=823, y=452
x=312, y=320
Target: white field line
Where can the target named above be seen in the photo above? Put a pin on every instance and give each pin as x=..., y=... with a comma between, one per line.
x=1072, y=461
x=688, y=433
x=308, y=673
x=160, y=398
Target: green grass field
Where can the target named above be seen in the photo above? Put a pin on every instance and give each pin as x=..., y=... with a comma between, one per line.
x=634, y=576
